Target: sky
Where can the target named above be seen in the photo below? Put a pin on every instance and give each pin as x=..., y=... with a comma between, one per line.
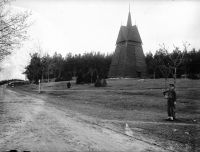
x=79, y=26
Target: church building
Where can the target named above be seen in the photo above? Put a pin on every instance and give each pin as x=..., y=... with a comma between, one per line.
x=128, y=60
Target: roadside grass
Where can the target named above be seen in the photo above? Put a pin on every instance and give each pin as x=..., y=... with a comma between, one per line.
x=132, y=100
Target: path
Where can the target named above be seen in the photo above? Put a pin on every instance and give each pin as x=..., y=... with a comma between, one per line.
x=31, y=124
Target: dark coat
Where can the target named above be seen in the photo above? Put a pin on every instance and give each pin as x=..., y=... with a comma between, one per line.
x=171, y=94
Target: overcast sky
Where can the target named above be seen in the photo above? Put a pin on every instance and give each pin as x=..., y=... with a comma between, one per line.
x=80, y=26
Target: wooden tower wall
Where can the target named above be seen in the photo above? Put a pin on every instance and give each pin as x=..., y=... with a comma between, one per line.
x=130, y=69
x=127, y=61
x=140, y=61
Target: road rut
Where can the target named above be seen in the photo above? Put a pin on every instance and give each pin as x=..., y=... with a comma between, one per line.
x=28, y=123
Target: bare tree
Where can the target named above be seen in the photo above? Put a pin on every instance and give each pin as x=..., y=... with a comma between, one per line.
x=163, y=66
x=165, y=70
x=154, y=64
x=175, y=58
x=49, y=66
x=173, y=61
x=37, y=47
x=13, y=29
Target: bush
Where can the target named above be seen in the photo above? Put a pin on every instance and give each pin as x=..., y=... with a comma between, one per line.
x=94, y=76
x=87, y=78
x=17, y=83
x=58, y=79
x=97, y=83
x=104, y=83
x=67, y=76
x=79, y=79
x=68, y=85
x=3, y=82
x=194, y=76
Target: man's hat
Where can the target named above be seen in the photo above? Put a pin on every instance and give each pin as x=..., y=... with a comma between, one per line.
x=171, y=85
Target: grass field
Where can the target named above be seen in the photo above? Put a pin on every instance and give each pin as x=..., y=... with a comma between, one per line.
x=140, y=103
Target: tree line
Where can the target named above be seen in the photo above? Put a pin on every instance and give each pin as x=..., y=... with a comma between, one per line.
x=161, y=64
x=179, y=63
x=48, y=67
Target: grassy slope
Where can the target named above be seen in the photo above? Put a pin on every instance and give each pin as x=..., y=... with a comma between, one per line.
x=133, y=100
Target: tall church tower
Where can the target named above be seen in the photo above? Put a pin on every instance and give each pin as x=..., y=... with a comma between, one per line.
x=128, y=60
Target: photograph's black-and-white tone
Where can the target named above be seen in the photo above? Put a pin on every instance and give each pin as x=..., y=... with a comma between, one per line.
x=102, y=75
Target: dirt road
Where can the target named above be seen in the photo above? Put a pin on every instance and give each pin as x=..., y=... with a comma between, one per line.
x=31, y=124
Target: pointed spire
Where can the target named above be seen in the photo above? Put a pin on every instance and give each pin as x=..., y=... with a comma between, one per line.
x=129, y=22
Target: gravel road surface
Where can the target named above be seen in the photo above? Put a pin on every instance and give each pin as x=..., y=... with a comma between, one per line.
x=31, y=124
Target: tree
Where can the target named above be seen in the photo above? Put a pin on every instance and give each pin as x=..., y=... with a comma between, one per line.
x=50, y=65
x=175, y=58
x=91, y=64
x=57, y=62
x=153, y=62
x=45, y=59
x=162, y=64
x=34, y=69
x=46, y=63
x=165, y=70
x=79, y=79
x=192, y=64
x=91, y=74
x=13, y=29
x=87, y=77
x=94, y=76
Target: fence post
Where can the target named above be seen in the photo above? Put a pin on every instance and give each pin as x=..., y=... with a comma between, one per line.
x=39, y=86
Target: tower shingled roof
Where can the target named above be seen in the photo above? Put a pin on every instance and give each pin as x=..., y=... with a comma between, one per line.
x=129, y=32
x=129, y=22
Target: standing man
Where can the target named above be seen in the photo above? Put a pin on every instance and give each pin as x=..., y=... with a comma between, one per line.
x=171, y=101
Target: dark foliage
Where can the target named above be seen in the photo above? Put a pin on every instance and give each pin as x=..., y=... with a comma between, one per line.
x=91, y=65
x=94, y=76
x=97, y=83
x=58, y=79
x=13, y=81
x=100, y=83
x=88, y=78
x=80, y=79
x=190, y=67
